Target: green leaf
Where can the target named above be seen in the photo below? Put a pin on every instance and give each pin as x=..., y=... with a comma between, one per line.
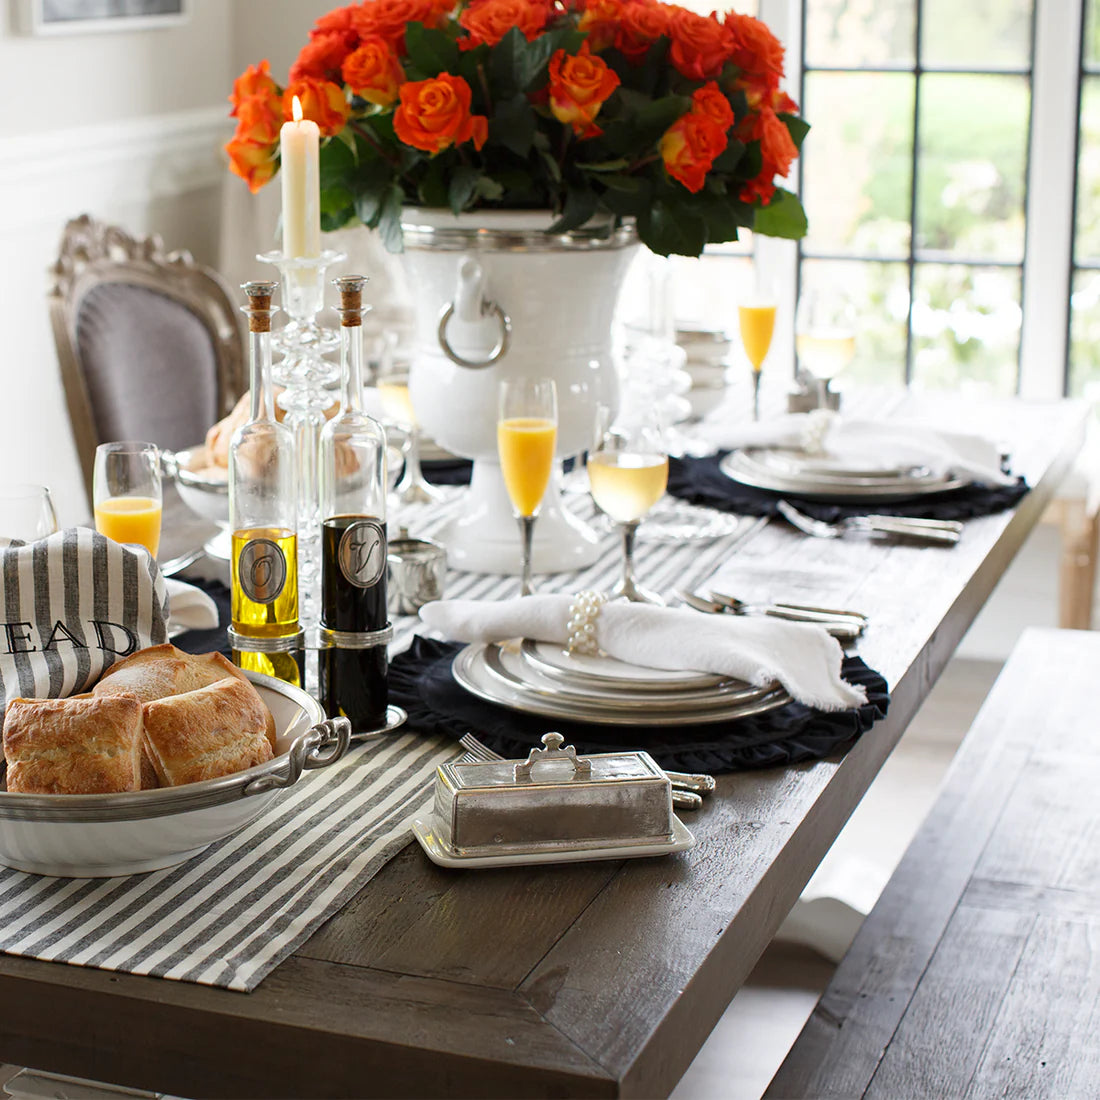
x=389, y=223
x=489, y=189
x=727, y=161
x=580, y=205
x=630, y=204
x=337, y=219
x=797, y=127
x=652, y=119
x=433, y=187
x=629, y=185
x=336, y=197
x=429, y=52
x=513, y=125
x=616, y=165
x=462, y=187
x=782, y=217
x=667, y=228
x=506, y=63
x=468, y=63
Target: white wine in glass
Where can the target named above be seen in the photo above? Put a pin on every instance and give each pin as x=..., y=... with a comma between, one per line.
x=825, y=335
x=627, y=475
x=527, y=431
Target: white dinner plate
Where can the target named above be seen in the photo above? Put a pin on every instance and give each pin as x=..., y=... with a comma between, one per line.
x=609, y=673
x=438, y=853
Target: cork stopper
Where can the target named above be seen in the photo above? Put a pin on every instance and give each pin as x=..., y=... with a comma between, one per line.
x=259, y=305
x=351, y=298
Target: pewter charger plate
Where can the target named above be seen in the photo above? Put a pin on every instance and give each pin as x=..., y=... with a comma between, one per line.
x=756, y=469
x=471, y=672
x=509, y=669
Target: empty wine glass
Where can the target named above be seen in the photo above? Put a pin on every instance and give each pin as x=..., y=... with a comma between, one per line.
x=26, y=512
x=527, y=431
x=126, y=493
x=627, y=475
x=393, y=391
x=825, y=335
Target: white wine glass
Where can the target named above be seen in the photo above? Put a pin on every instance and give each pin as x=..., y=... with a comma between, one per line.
x=527, y=432
x=26, y=512
x=627, y=475
x=126, y=493
x=825, y=335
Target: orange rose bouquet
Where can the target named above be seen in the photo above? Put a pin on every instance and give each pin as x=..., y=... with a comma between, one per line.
x=637, y=108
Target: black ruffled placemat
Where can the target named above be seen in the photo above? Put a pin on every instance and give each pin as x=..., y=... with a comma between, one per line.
x=421, y=682
x=447, y=471
x=700, y=481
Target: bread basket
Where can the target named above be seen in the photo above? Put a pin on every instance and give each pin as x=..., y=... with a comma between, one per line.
x=99, y=835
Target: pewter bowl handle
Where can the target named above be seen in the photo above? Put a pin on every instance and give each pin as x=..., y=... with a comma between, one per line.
x=319, y=746
x=499, y=348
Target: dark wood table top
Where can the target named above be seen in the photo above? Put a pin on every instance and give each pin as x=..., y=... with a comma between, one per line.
x=594, y=979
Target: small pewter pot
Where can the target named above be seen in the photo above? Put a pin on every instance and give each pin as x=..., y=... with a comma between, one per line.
x=417, y=572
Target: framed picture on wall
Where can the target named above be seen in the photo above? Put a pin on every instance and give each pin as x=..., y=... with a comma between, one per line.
x=81, y=16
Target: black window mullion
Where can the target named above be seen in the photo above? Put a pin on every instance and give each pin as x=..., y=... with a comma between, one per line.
x=911, y=263
x=1074, y=266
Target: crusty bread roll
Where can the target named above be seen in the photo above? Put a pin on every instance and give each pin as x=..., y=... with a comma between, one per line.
x=81, y=745
x=202, y=734
x=163, y=670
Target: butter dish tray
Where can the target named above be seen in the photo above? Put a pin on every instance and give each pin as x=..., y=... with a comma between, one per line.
x=444, y=856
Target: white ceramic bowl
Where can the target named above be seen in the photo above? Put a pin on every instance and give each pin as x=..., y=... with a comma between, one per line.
x=99, y=835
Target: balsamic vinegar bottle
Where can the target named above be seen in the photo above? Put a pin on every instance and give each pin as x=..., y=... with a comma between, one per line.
x=355, y=626
x=265, y=635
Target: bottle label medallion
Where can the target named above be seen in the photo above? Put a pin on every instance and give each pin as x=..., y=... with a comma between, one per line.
x=262, y=571
x=363, y=553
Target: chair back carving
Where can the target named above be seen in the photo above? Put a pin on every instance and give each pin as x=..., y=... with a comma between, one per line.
x=149, y=342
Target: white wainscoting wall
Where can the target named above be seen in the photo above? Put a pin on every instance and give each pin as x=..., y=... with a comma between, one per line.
x=160, y=174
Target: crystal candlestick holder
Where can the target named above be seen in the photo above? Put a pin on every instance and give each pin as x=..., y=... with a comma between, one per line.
x=308, y=380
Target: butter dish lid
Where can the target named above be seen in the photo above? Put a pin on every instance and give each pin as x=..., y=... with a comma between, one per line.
x=555, y=764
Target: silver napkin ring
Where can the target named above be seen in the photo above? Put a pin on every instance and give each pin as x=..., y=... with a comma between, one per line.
x=584, y=610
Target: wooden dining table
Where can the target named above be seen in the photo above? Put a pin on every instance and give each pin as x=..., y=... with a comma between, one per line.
x=591, y=979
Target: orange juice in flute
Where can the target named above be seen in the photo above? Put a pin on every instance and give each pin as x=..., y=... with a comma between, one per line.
x=527, y=430
x=757, y=322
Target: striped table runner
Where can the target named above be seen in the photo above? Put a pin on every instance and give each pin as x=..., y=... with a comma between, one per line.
x=229, y=916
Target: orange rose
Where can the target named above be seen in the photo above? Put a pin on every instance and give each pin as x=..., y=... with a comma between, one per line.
x=700, y=44
x=641, y=24
x=320, y=58
x=255, y=80
x=254, y=163
x=756, y=52
x=600, y=22
x=777, y=148
x=338, y=21
x=258, y=120
x=689, y=147
x=488, y=21
x=579, y=87
x=389, y=18
x=435, y=114
x=373, y=72
x=322, y=101
x=710, y=101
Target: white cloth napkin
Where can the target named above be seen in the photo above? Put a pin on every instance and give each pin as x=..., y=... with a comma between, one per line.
x=801, y=656
x=189, y=608
x=872, y=443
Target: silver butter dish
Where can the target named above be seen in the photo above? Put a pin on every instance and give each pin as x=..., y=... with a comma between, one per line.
x=553, y=802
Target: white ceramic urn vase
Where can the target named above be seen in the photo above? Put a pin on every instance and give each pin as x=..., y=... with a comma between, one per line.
x=496, y=297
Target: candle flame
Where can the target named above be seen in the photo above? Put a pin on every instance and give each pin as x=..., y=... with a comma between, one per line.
x=296, y=109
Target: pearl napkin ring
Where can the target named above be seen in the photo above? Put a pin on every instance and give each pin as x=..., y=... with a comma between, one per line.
x=584, y=610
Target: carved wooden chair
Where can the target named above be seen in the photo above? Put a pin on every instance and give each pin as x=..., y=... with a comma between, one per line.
x=149, y=343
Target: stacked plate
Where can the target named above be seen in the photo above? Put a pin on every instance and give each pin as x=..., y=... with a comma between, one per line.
x=543, y=678
x=821, y=477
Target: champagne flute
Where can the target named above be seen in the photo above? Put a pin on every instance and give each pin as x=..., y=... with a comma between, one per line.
x=26, y=512
x=126, y=493
x=825, y=336
x=757, y=323
x=527, y=430
x=627, y=475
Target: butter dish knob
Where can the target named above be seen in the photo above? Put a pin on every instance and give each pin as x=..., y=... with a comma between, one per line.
x=555, y=749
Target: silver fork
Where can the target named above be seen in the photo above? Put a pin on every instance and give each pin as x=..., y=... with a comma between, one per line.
x=940, y=532
x=687, y=788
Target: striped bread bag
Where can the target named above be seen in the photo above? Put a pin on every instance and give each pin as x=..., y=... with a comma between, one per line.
x=73, y=603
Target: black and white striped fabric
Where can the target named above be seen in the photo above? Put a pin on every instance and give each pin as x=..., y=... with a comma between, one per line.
x=230, y=915
x=73, y=604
